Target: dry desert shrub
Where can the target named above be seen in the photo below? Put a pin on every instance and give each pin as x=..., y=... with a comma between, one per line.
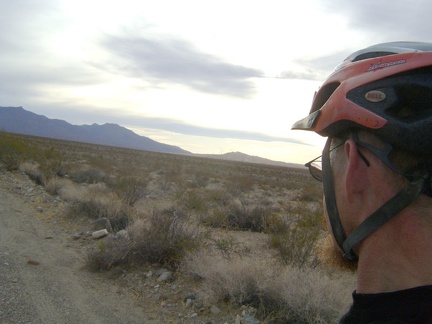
x=294, y=238
x=247, y=218
x=240, y=183
x=202, y=201
x=87, y=174
x=162, y=238
x=192, y=199
x=280, y=295
x=69, y=190
x=215, y=218
x=225, y=280
x=33, y=172
x=51, y=163
x=309, y=296
x=13, y=151
x=96, y=202
x=55, y=186
x=310, y=193
x=129, y=188
x=110, y=252
x=236, y=215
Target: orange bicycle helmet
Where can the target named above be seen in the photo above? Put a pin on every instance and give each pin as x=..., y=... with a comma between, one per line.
x=385, y=88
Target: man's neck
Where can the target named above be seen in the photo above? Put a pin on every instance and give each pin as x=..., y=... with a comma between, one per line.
x=398, y=256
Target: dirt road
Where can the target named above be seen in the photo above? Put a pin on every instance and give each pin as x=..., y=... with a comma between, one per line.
x=41, y=280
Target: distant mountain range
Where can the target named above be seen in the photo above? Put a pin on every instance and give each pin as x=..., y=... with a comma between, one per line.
x=20, y=121
x=241, y=157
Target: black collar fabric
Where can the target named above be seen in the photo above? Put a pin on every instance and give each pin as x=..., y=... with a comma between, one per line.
x=412, y=305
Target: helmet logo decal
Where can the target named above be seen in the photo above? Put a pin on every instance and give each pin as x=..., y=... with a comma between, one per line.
x=375, y=96
x=380, y=65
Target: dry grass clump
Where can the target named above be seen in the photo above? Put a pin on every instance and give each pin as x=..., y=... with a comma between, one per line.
x=280, y=295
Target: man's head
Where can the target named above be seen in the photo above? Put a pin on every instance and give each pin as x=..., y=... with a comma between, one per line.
x=376, y=110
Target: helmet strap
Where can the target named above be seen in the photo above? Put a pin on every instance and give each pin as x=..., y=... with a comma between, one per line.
x=330, y=197
x=386, y=212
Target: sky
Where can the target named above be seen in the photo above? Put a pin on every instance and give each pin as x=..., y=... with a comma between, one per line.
x=208, y=76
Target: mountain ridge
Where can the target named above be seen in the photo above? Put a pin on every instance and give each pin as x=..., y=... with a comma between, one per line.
x=18, y=120
x=21, y=121
x=242, y=157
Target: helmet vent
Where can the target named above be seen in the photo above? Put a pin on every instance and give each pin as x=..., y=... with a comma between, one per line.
x=369, y=55
x=323, y=95
x=414, y=103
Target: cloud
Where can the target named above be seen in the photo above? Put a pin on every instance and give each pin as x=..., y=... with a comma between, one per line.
x=367, y=22
x=386, y=20
x=28, y=81
x=315, y=69
x=180, y=127
x=31, y=69
x=176, y=126
x=80, y=115
x=169, y=60
x=23, y=25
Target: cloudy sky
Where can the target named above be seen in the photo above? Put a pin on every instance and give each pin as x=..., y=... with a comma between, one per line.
x=208, y=76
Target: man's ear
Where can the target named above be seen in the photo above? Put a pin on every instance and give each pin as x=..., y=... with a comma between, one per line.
x=356, y=176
